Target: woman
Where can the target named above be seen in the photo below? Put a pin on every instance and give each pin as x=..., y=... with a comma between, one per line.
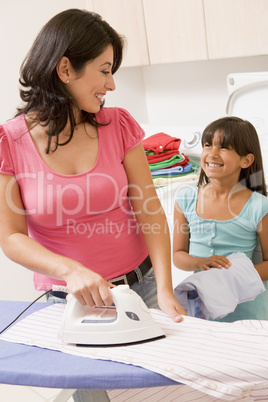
x=78, y=206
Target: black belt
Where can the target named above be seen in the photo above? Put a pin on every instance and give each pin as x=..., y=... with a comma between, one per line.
x=133, y=276
x=128, y=279
x=60, y=295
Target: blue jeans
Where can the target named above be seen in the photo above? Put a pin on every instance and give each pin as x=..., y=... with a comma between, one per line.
x=145, y=287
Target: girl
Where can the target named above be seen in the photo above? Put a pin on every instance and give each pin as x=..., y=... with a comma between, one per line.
x=228, y=210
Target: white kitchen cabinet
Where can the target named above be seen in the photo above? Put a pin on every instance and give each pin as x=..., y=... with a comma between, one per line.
x=175, y=30
x=236, y=28
x=172, y=31
x=126, y=17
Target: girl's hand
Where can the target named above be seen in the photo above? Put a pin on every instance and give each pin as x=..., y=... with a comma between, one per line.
x=170, y=305
x=89, y=288
x=215, y=261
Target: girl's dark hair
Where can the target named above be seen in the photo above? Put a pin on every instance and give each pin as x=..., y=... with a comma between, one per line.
x=79, y=35
x=241, y=136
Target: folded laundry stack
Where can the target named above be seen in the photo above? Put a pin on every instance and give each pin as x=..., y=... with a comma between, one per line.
x=166, y=162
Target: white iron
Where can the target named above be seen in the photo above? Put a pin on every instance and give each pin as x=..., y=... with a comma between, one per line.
x=128, y=321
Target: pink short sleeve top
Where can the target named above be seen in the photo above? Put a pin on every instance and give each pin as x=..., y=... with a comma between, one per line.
x=86, y=217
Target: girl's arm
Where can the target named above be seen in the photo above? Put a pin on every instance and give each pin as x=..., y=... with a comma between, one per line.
x=152, y=220
x=181, y=257
x=262, y=268
x=87, y=286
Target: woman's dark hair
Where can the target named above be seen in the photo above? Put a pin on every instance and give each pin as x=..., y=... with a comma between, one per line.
x=79, y=35
x=241, y=136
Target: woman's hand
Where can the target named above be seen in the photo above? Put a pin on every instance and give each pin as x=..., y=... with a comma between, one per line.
x=215, y=261
x=89, y=288
x=170, y=305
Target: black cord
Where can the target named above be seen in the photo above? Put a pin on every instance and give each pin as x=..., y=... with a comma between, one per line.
x=48, y=291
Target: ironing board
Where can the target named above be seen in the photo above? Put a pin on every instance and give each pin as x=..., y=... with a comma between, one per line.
x=32, y=366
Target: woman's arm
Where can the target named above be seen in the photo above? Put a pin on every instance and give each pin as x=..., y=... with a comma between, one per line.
x=87, y=286
x=152, y=220
x=181, y=257
x=262, y=268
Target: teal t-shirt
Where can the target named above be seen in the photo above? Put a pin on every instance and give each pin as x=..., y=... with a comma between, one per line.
x=239, y=234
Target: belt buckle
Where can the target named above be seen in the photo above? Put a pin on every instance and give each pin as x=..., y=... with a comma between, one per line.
x=120, y=278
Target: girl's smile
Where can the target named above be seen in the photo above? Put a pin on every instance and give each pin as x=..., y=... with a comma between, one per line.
x=220, y=161
x=213, y=165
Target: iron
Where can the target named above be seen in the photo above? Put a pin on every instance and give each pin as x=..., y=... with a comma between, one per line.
x=127, y=321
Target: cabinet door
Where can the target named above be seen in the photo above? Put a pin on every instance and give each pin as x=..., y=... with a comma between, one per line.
x=236, y=28
x=126, y=17
x=175, y=30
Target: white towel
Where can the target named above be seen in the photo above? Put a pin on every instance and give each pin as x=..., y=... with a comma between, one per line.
x=216, y=292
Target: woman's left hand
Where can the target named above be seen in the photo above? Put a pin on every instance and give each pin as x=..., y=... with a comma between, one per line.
x=170, y=305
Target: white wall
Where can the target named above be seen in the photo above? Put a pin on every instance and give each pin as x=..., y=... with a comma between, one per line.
x=130, y=93
x=16, y=281
x=186, y=94
x=20, y=22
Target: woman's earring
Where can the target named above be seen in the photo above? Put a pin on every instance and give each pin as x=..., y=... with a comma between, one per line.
x=67, y=82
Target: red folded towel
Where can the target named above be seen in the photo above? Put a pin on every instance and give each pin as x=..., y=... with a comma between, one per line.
x=161, y=142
